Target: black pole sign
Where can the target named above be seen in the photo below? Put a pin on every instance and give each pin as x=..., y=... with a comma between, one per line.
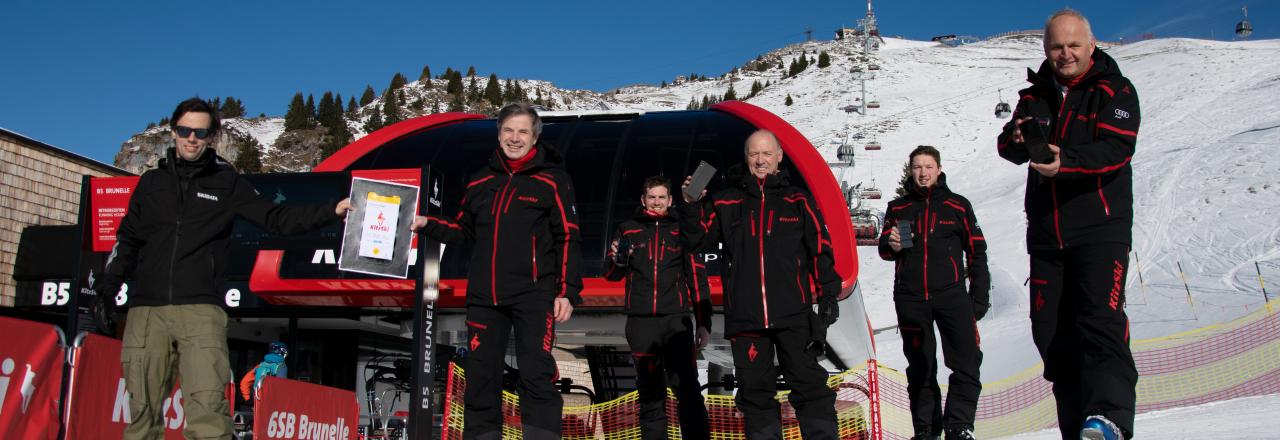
x=421, y=408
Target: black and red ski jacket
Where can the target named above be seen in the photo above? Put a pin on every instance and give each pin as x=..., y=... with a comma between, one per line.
x=1096, y=126
x=947, y=245
x=524, y=230
x=662, y=279
x=776, y=250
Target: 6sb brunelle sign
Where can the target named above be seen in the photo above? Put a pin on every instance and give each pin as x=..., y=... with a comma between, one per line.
x=295, y=410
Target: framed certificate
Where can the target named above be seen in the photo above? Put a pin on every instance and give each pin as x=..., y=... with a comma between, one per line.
x=376, y=239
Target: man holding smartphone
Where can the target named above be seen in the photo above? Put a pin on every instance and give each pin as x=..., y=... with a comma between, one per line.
x=1079, y=211
x=663, y=283
x=932, y=236
x=779, y=263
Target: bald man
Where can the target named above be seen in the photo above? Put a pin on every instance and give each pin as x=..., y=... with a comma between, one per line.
x=1079, y=209
x=780, y=263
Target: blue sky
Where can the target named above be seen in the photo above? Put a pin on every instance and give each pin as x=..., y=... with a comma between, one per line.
x=84, y=76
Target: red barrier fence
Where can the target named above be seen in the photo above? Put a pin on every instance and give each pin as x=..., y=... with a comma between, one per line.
x=290, y=409
x=31, y=361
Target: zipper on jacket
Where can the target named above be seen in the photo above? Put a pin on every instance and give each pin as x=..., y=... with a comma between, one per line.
x=954, y=270
x=1106, y=209
x=653, y=246
x=764, y=298
x=535, y=259
x=1057, y=228
x=925, y=230
x=177, y=228
x=497, y=223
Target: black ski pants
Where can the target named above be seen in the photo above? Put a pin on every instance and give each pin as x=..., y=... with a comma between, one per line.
x=1082, y=332
x=540, y=402
x=663, y=349
x=961, y=351
x=814, y=402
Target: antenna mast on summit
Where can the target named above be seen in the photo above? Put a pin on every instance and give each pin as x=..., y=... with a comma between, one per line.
x=870, y=30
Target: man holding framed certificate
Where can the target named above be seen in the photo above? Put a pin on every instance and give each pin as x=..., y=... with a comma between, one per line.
x=518, y=214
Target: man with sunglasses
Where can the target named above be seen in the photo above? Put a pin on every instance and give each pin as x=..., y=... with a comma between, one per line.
x=172, y=244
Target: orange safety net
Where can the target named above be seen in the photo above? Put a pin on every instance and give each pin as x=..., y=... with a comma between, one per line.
x=620, y=418
x=1230, y=360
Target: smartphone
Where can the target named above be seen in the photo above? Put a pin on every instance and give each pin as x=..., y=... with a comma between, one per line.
x=1037, y=143
x=701, y=177
x=904, y=231
x=624, y=251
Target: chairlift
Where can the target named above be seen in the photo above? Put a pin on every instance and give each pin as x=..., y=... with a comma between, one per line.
x=1002, y=109
x=873, y=104
x=1243, y=28
x=872, y=193
x=850, y=108
x=873, y=146
x=873, y=67
x=845, y=153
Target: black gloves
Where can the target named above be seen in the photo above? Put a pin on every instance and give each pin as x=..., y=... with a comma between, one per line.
x=103, y=307
x=980, y=308
x=828, y=309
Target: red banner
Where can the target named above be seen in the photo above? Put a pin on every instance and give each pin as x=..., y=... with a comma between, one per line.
x=290, y=409
x=108, y=203
x=31, y=360
x=98, y=403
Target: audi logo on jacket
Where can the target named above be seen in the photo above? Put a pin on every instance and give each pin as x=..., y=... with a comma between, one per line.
x=1096, y=126
x=523, y=229
x=777, y=251
x=662, y=279
x=947, y=245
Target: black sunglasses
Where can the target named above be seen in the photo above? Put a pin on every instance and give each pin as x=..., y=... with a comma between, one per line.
x=184, y=132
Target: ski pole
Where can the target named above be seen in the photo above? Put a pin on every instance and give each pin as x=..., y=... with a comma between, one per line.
x=1262, y=284
x=1185, y=286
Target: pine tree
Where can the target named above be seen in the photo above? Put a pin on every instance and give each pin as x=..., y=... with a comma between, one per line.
x=456, y=104
x=730, y=95
x=454, y=87
x=375, y=121
x=693, y=104
x=164, y=122
x=398, y=81
x=539, y=98
x=492, y=90
x=248, y=156
x=231, y=108
x=471, y=71
x=906, y=177
x=426, y=74
x=508, y=91
x=296, y=118
x=664, y=84
x=755, y=89
x=519, y=93
x=435, y=106
x=390, y=109
x=337, y=103
x=351, y=105
x=335, y=138
x=311, y=108
x=330, y=111
x=368, y=96
x=824, y=60
x=789, y=101
x=474, y=94
x=151, y=125
x=448, y=73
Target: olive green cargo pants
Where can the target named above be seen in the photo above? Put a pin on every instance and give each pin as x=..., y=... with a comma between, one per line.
x=191, y=339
